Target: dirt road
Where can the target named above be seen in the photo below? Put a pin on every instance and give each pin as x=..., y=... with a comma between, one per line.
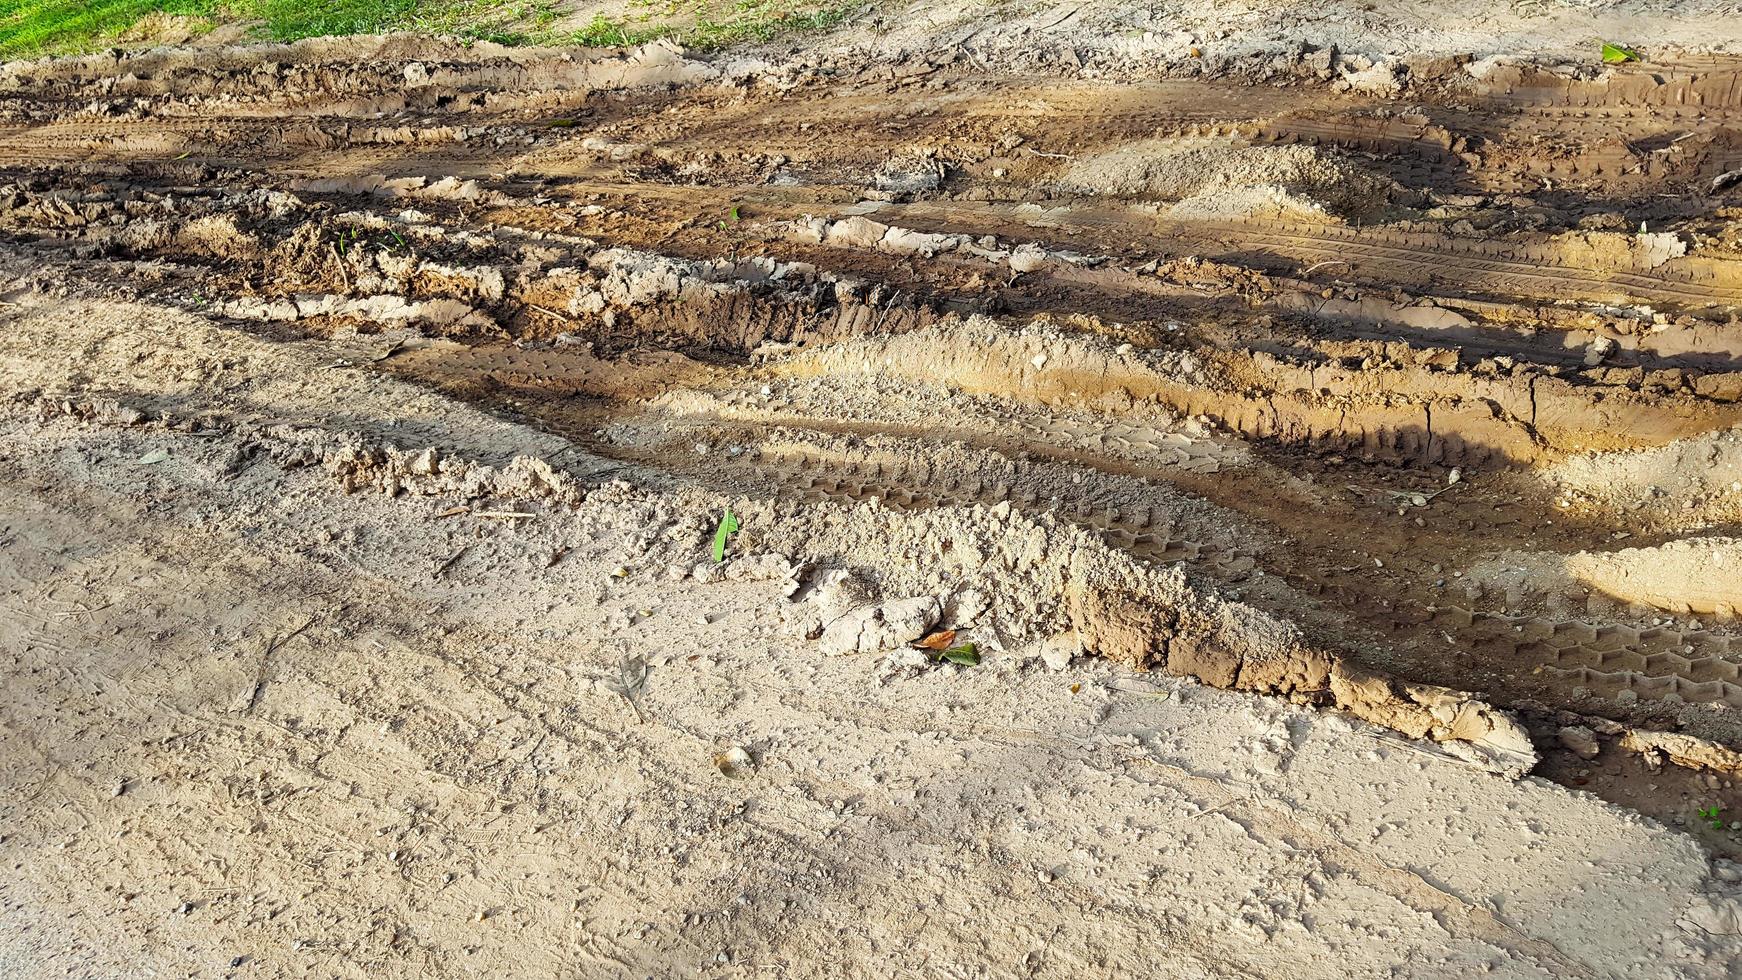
x=1357, y=390
x=258, y=727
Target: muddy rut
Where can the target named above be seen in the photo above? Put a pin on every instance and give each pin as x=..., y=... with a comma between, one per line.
x=1317, y=345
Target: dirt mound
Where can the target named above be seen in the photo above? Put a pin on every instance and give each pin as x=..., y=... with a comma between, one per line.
x=1688, y=484
x=1697, y=575
x=1689, y=576
x=1215, y=178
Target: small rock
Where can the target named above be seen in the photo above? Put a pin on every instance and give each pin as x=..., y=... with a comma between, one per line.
x=1581, y=741
x=1027, y=257
x=904, y=662
x=1058, y=652
x=834, y=591
x=425, y=463
x=735, y=763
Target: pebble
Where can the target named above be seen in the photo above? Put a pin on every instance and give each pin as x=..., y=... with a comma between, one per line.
x=1057, y=654
x=1581, y=741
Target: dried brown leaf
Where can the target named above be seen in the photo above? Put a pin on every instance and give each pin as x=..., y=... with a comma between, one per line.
x=941, y=640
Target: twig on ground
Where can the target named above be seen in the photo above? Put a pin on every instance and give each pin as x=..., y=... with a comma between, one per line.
x=449, y=562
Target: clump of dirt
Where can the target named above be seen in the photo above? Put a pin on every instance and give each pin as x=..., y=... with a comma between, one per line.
x=1220, y=178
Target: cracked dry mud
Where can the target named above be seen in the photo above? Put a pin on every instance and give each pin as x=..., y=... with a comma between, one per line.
x=1361, y=399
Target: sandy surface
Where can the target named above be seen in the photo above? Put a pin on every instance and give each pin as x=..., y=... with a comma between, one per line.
x=1134, y=37
x=247, y=733
x=1322, y=421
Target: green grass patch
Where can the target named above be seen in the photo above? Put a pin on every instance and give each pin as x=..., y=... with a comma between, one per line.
x=604, y=32
x=289, y=20
x=29, y=28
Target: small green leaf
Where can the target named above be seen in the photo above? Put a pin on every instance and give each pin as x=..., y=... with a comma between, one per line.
x=967, y=655
x=1615, y=54
x=728, y=527
x=734, y=212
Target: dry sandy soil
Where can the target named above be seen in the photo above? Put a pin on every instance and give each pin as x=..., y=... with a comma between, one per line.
x=1334, y=458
